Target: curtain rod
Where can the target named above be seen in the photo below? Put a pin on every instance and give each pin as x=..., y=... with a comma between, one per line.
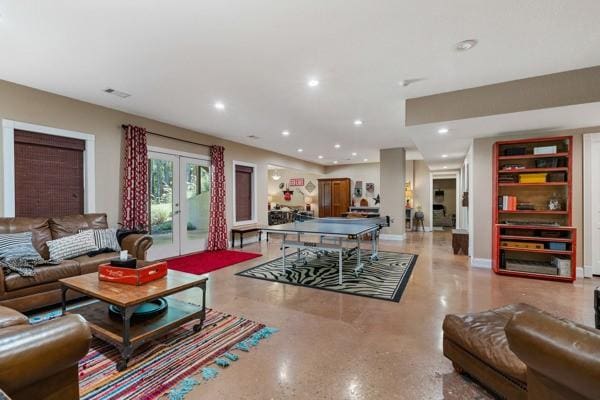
x=170, y=137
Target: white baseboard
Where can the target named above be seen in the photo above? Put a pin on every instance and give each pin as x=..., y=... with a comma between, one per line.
x=584, y=272
x=388, y=236
x=481, y=262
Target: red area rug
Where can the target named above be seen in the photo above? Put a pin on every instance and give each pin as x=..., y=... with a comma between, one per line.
x=207, y=261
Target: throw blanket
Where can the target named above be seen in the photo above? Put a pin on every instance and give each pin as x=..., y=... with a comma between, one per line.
x=21, y=259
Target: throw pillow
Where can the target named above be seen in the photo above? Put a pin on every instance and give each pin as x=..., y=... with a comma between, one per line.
x=72, y=246
x=105, y=238
x=17, y=254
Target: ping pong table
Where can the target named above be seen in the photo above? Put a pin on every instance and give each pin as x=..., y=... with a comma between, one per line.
x=332, y=233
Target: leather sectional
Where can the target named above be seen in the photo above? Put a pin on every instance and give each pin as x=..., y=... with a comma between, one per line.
x=43, y=289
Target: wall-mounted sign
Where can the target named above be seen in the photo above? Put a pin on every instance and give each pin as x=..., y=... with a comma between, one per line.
x=296, y=181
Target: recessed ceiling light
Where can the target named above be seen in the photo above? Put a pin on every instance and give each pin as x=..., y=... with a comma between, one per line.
x=466, y=44
x=337, y=146
x=354, y=154
x=313, y=82
x=444, y=155
x=335, y=162
x=285, y=133
x=300, y=150
x=443, y=131
x=445, y=167
x=365, y=159
x=219, y=105
x=320, y=157
x=117, y=93
x=358, y=122
x=406, y=82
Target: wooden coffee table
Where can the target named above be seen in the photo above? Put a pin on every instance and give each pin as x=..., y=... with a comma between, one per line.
x=124, y=332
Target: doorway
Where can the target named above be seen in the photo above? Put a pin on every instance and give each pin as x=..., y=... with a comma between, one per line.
x=445, y=205
x=591, y=172
x=179, y=192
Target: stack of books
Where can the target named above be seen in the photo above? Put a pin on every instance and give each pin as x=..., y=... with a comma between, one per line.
x=507, y=203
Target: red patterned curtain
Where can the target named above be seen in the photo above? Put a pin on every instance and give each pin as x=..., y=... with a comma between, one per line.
x=217, y=226
x=135, y=179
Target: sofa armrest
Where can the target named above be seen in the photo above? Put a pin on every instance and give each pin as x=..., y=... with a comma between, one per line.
x=10, y=317
x=137, y=245
x=563, y=352
x=30, y=353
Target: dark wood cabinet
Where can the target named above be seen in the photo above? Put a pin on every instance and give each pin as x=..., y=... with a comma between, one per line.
x=334, y=197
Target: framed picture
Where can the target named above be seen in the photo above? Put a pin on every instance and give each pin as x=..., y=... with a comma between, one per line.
x=296, y=181
x=370, y=187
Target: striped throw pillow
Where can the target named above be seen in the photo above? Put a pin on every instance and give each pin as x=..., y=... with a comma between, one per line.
x=17, y=254
x=105, y=238
x=72, y=246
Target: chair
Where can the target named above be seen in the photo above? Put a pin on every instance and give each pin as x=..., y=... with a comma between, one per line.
x=41, y=361
x=520, y=352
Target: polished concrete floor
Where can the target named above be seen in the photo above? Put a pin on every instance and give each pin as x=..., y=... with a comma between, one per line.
x=336, y=346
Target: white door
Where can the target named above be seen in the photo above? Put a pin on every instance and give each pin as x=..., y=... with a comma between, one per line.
x=194, y=204
x=179, y=191
x=595, y=204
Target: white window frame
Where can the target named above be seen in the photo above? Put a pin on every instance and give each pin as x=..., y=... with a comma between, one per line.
x=8, y=163
x=254, y=219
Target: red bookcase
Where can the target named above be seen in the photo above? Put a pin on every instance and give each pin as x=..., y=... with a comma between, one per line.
x=532, y=232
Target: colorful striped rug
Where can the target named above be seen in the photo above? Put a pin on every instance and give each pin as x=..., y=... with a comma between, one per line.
x=167, y=366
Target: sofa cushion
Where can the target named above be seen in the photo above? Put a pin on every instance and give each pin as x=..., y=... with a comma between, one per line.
x=88, y=264
x=39, y=227
x=482, y=335
x=72, y=224
x=43, y=274
x=72, y=246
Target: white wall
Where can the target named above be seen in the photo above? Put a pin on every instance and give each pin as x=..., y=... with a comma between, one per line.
x=366, y=172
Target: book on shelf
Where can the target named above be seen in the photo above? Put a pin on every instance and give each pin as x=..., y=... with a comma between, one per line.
x=507, y=203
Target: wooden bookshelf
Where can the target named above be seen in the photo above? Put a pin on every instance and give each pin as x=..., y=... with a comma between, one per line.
x=529, y=238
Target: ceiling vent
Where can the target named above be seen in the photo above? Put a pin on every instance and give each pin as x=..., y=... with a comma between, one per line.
x=118, y=93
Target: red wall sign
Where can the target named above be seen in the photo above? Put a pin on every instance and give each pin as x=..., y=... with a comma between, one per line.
x=296, y=181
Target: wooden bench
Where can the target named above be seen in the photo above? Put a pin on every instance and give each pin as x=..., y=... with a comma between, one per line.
x=243, y=230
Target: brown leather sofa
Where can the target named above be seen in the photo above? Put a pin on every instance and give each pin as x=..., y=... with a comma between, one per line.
x=41, y=361
x=43, y=289
x=521, y=352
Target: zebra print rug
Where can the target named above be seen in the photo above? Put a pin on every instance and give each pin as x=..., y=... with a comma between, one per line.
x=384, y=279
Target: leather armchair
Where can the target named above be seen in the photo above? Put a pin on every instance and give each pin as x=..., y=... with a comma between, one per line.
x=41, y=361
x=562, y=357
x=137, y=245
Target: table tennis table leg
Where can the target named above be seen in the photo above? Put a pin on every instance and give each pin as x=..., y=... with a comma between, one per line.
x=341, y=280
x=299, y=249
x=283, y=253
x=359, y=266
x=374, y=246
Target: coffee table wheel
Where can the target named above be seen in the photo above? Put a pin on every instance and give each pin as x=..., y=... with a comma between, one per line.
x=374, y=257
x=122, y=365
x=198, y=327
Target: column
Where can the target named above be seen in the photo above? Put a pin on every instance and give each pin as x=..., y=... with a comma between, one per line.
x=392, y=171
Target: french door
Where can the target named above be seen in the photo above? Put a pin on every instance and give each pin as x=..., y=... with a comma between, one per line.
x=179, y=189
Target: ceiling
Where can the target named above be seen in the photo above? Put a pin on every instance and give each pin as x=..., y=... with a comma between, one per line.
x=178, y=59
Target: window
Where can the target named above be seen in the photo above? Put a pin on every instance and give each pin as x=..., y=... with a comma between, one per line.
x=48, y=175
x=244, y=208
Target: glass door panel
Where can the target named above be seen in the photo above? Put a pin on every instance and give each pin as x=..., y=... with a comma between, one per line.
x=195, y=205
x=164, y=205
